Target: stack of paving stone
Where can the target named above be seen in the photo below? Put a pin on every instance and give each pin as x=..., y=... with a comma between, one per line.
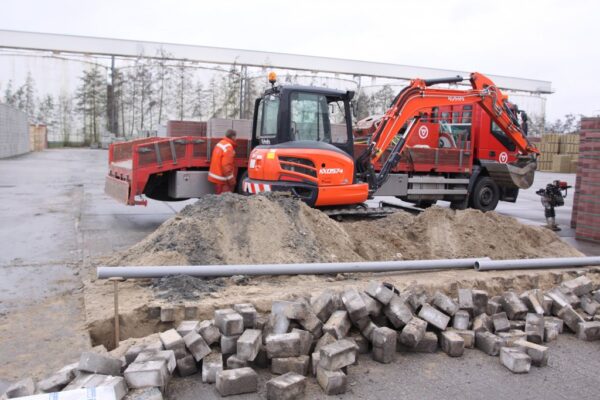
x=324, y=335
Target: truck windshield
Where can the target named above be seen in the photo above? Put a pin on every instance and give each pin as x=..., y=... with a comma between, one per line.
x=309, y=117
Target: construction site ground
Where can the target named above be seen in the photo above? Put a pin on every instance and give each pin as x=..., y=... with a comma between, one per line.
x=57, y=223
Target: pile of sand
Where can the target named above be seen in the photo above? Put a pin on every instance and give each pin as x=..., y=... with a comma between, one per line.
x=233, y=229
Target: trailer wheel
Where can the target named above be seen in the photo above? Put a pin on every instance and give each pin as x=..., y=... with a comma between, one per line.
x=485, y=194
x=240, y=184
x=425, y=203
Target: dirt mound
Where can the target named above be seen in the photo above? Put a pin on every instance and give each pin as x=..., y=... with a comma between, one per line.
x=445, y=233
x=233, y=229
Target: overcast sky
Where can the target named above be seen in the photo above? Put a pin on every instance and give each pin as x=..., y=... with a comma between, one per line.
x=549, y=40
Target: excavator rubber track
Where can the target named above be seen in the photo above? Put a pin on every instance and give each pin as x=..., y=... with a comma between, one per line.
x=364, y=211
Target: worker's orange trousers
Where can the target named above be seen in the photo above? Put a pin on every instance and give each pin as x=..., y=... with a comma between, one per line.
x=223, y=188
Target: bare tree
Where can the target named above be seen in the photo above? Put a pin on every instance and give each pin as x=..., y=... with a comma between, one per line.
x=182, y=89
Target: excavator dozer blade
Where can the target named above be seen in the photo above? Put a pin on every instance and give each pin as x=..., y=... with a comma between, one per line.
x=518, y=175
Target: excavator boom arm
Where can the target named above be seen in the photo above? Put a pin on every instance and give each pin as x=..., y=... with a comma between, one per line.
x=418, y=96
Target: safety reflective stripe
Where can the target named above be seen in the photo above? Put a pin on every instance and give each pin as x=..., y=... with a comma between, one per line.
x=224, y=147
x=256, y=187
x=220, y=178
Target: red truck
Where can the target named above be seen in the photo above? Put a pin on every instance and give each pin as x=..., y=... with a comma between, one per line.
x=453, y=156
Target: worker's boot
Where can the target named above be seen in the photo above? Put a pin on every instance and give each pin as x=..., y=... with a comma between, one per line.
x=551, y=224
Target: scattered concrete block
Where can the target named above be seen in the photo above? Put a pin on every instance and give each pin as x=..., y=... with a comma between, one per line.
x=384, y=345
x=261, y=360
x=133, y=352
x=57, y=381
x=296, y=310
x=147, y=374
x=306, y=340
x=229, y=344
x=248, y=345
x=493, y=307
x=445, y=303
x=547, y=305
x=144, y=394
x=324, y=340
x=513, y=306
x=168, y=356
x=538, y=353
x=520, y=325
x=551, y=331
x=579, y=286
x=229, y=322
x=596, y=295
x=516, y=361
x=112, y=386
x=209, y=332
x=338, y=324
x=500, y=322
x=196, y=345
x=417, y=296
x=187, y=365
x=338, y=355
x=283, y=345
x=534, y=327
x=533, y=300
x=452, y=343
x=570, y=317
x=429, y=344
x=434, y=317
x=22, y=388
x=237, y=381
x=311, y=323
x=99, y=364
x=367, y=330
x=354, y=304
x=461, y=320
x=589, y=305
x=289, y=386
x=190, y=312
x=167, y=314
x=589, y=330
x=559, y=299
x=299, y=365
x=332, y=382
x=480, y=301
x=488, y=343
x=373, y=306
x=248, y=313
x=155, y=345
x=483, y=323
x=212, y=364
x=379, y=292
x=233, y=362
x=413, y=332
x=324, y=305
x=468, y=337
x=186, y=327
x=278, y=321
x=465, y=300
x=172, y=340
x=398, y=312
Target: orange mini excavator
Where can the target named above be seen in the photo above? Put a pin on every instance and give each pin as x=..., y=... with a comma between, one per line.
x=302, y=142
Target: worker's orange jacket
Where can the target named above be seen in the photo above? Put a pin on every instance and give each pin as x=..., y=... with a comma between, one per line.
x=222, y=169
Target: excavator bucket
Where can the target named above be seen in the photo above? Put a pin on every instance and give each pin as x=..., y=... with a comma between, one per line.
x=519, y=174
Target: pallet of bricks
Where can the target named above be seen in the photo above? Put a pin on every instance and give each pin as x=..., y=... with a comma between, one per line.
x=559, y=153
x=586, y=207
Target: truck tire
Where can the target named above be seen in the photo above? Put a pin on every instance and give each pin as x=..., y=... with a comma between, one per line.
x=425, y=203
x=485, y=194
x=240, y=183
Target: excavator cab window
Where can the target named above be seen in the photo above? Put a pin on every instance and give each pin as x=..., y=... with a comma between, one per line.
x=267, y=115
x=309, y=117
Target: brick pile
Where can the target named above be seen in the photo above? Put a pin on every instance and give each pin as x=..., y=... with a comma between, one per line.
x=323, y=336
x=559, y=153
x=585, y=217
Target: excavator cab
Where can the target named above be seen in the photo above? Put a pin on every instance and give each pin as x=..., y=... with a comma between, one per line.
x=302, y=142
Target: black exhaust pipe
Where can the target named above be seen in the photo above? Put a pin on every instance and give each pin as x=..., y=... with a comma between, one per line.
x=454, y=79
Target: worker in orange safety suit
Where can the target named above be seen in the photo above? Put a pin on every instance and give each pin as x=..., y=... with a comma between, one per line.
x=222, y=170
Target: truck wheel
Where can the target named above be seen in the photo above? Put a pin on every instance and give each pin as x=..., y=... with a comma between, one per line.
x=485, y=194
x=425, y=203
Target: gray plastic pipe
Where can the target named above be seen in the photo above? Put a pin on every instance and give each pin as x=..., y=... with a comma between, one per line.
x=283, y=269
x=536, y=263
